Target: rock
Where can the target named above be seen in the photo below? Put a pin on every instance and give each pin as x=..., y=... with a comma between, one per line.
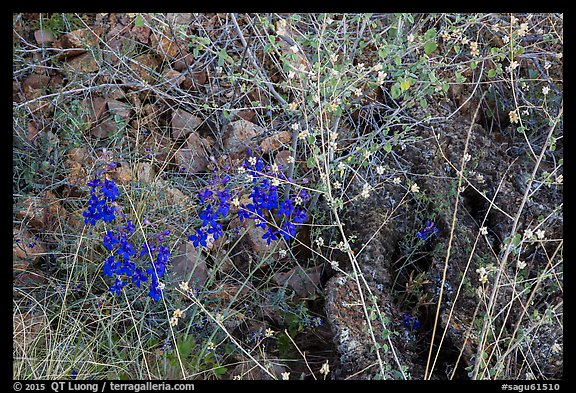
x=78, y=154
x=35, y=82
x=122, y=174
x=193, y=156
x=145, y=66
x=96, y=107
x=282, y=158
x=78, y=42
x=184, y=124
x=247, y=114
x=304, y=282
x=173, y=77
x=183, y=63
x=141, y=33
x=119, y=108
x=76, y=173
x=176, y=197
x=104, y=129
x=190, y=265
x=146, y=173
x=274, y=142
x=31, y=212
x=83, y=63
x=238, y=135
x=164, y=46
x=44, y=36
x=180, y=18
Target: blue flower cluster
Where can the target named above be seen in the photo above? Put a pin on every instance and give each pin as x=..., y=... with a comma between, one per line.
x=100, y=207
x=122, y=264
x=410, y=322
x=429, y=230
x=216, y=204
x=266, y=204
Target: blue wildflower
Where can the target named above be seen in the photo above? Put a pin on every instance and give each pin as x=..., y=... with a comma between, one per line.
x=410, y=322
x=429, y=230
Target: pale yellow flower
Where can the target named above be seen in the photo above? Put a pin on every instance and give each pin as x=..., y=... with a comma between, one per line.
x=286, y=376
x=474, y=49
x=514, y=118
x=178, y=313
x=483, y=231
x=173, y=321
x=325, y=369
x=184, y=286
x=268, y=332
x=521, y=265
x=414, y=188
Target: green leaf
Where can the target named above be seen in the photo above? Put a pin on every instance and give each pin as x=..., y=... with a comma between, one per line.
x=310, y=162
x=491, y=73
x=430, y=34
x=423, y=103
x=395, y=91
x=388, y=147
x=405, y=84
x=516, y=240
x=220, y=370
x=457, y=48
x=139, y=21
x=429, y=47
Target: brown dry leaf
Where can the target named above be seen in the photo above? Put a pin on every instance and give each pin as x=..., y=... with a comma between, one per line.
x=238, y=135
x=274, y=142
x=25, y=249
x=303, y=282
x=190, y=263
x=184, y=123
